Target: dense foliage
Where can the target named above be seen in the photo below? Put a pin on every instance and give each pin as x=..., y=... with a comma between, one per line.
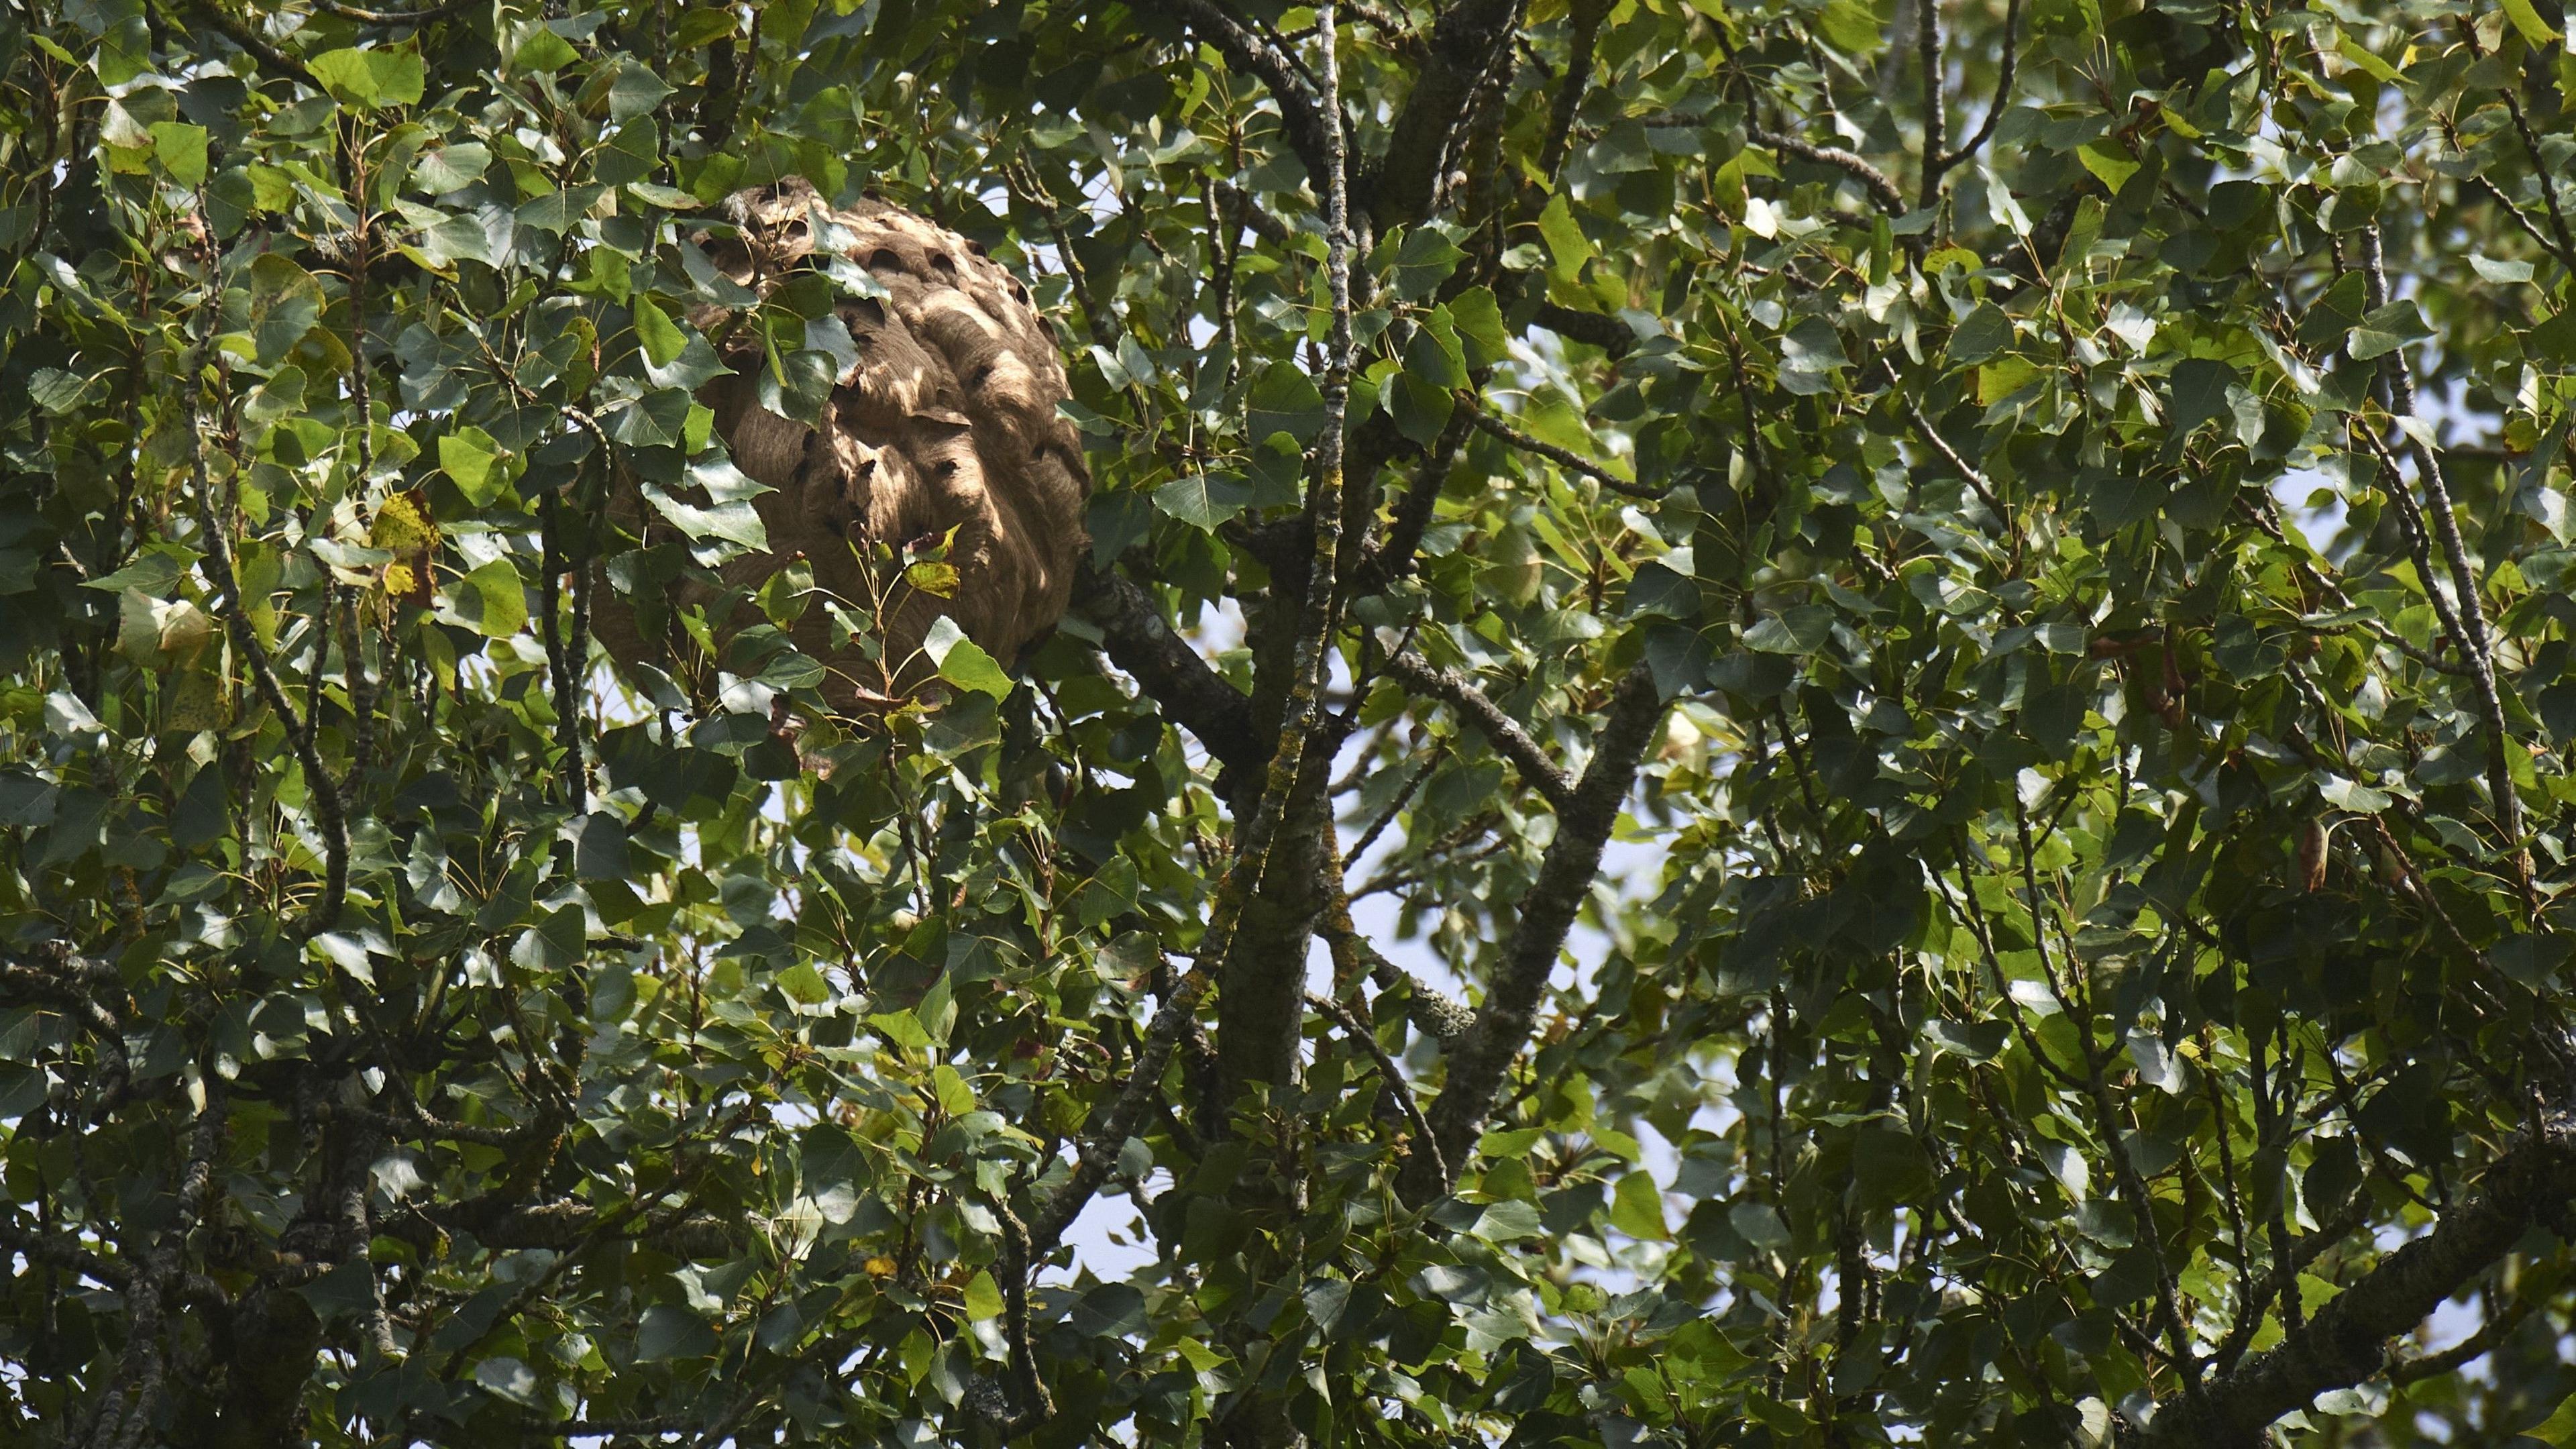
x=2046, y=525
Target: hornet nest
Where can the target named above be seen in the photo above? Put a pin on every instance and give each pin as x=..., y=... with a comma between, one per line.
x=946, y=422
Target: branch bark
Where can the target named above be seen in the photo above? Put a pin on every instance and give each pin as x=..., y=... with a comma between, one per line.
x=1881, y=188
x=1405, y=183
x=1461, y=694
x=1479, y=1058
x=2348, y=1340
x=1139, y=641
x=1301, y=112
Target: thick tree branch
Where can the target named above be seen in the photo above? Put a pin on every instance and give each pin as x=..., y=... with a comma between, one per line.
x=1478, y=1060
x=2347, y=1341
x=1592, y=328
x=1139, y=641
x=1405, y=183
x=1301, y=113
x=1936, y=117
x=1098, y=1152
x=1585, y=17
x=1461, y=694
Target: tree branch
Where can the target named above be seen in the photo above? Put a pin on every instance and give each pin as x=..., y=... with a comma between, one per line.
x=1405, y=183
x=320, y=787
x=2475, y=649
x=252, y=43
x=556, y=1226
x=1563, y=458
x=1461, y=694
x=1139, y=641
x=2003, y=90
x=2530, y=1184
x=1607, y=333
x=1585, y=16
x=1478, y=1059
x=1301, y=115
x=1366, y=1040
x=1889, y=196
x=1936, y=118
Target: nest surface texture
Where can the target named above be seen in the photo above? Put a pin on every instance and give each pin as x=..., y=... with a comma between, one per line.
x=947, y=421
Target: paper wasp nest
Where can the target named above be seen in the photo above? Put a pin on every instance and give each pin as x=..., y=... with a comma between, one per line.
x=947, y=420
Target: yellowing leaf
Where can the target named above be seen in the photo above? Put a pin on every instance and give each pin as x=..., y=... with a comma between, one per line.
x=404, y=529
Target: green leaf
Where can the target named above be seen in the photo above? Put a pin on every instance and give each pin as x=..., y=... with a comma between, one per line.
x=663, y=340
x=803, y=984
x=451, y=168
x=1852, y=25
x=369, y=79
x=500, y=598
x=961, y=661
x=2002, y=378
x=2199, y=394
x=543, y=53
x=667, y=1331
x=1637, y=1208
x=2387, y=329
x=1981, y=334
x=1512, y=1220
x=509, y=1378
x=983, y=1297
x=636, y=92
x=1799, y=630
x=1423, y=260
x=347, y=74
x=1480, y=326
x=902, y=1028
x=471, y=460
x=181, y=149
x=1566, y=243
x=1285, y=400
x=2558, y=1429
x=1203, y=502
x=2110, y=163
x=2526, y=17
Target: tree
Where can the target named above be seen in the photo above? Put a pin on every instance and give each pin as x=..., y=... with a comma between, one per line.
x=2044, y=526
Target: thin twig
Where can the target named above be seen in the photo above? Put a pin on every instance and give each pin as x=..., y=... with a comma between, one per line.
x=1975, y=480
x=2003, y=88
